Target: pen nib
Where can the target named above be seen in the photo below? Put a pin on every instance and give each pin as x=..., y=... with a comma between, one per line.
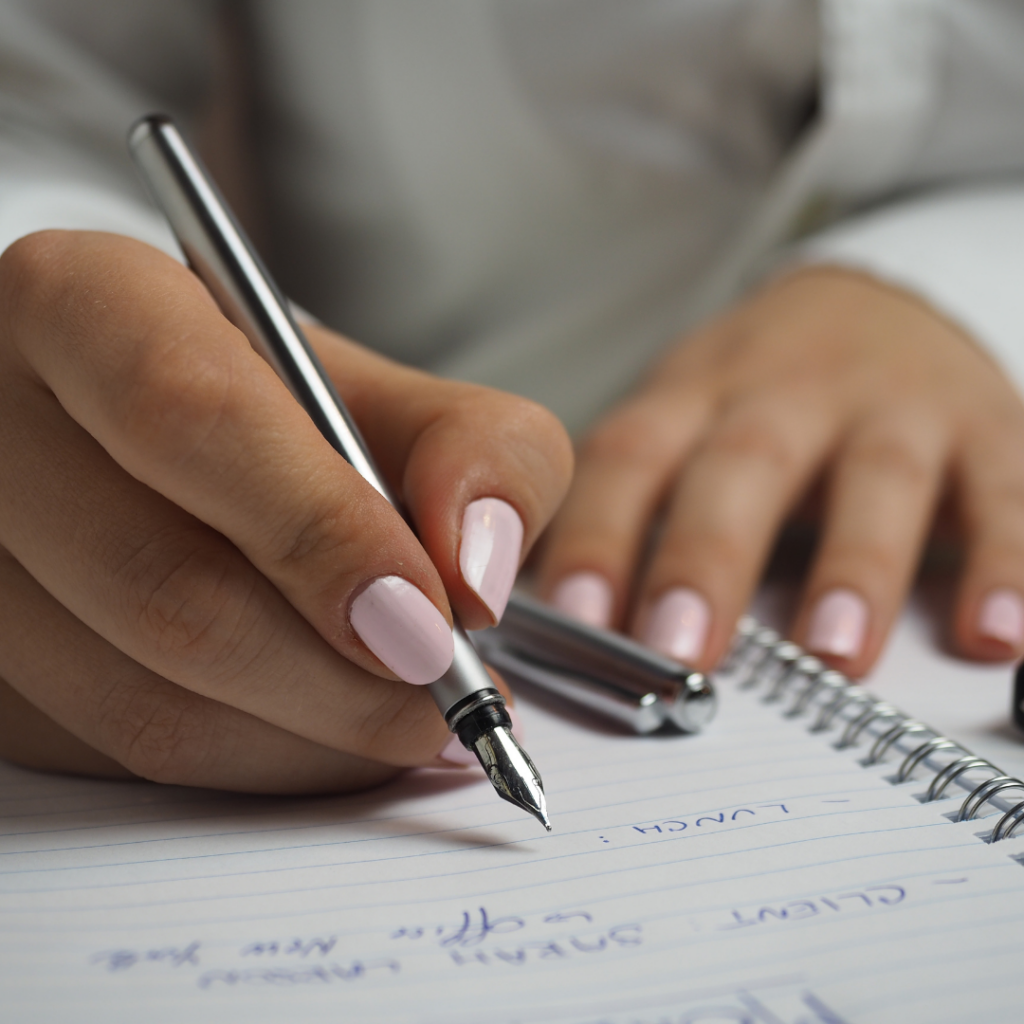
x=511, y=772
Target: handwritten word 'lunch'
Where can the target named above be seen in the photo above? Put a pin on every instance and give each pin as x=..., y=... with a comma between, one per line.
x=709, y=821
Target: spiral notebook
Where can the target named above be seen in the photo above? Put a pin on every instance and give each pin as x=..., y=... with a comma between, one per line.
x=752, y=873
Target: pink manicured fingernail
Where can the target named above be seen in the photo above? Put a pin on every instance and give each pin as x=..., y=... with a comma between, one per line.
x=400, y=625
x=492, y=539
x=455, y=753
x=1002, y=617
x=678, y=624
x=586, y=596
x=839, y=623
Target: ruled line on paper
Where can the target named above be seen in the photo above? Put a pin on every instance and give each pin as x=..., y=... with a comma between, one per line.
x=766, y=801
x=462, y=807
x=726, y=757
x=736, y=766
x=369, y=876
x=693, y=910
x=481, y=893
x=376, y=820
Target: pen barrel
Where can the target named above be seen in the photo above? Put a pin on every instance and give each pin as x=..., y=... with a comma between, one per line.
x=224, y=259
x=466, y=677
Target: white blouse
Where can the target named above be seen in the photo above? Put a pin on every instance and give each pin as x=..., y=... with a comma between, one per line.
x=542, y=194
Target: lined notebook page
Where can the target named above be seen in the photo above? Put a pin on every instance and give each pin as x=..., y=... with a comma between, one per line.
x=749, y=874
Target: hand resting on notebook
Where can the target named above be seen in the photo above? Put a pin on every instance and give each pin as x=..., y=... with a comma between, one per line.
x=825, y=377
x=183, y=553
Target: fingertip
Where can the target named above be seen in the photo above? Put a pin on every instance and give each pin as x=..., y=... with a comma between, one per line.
x=1001, y=617
x=994, y=629
x=677, y=624
x=842, y=630
x=403, y=629
x=838, y=625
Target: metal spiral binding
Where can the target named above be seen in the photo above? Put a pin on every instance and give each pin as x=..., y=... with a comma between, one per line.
x=760, y=657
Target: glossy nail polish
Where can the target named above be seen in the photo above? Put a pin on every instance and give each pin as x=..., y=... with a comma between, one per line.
x=492, y=540
x=403, y=628
x=677, y=624
x=839, y=624
x=1001, y=617
x=587, y=597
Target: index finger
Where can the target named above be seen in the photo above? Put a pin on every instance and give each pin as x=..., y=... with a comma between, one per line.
x=133, y=349
x=481, y=471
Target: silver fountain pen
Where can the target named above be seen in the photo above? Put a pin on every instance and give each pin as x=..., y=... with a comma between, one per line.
x=223, y=258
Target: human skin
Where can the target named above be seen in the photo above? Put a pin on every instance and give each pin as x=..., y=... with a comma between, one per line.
x=178, y=546
x=181, y=551
x=824, y=380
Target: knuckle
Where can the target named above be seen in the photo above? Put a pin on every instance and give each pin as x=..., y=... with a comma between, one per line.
x=510, y=417
x=724, y=548
x=541, y=448
x=865, y=560
x=713, y=549
x=543, y=428
x=171, y=395
x=756, y=439
x=636, y=436
x=1008, y=492
x=893, y=457
x=321, y=538
x=394, y=722
x=30, y=269
x=998, y=509
x=162, y=737
x=191, y=600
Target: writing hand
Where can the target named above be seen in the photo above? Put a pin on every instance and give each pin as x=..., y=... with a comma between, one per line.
x=194, y=586
x=825, y=375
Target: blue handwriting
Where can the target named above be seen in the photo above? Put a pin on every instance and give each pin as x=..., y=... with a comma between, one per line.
x=801, y=910
x=307, y=974
x=705, y=820
x=122, y=959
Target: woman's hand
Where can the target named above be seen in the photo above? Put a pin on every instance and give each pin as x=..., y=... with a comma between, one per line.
x=824, y=375
x=194, y=586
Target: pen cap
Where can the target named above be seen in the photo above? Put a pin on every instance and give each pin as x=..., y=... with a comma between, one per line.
x=542, y=631
x=545, y=636
x=642, y=713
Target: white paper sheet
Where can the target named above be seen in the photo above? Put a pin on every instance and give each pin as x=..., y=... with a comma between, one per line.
x=749, y=874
